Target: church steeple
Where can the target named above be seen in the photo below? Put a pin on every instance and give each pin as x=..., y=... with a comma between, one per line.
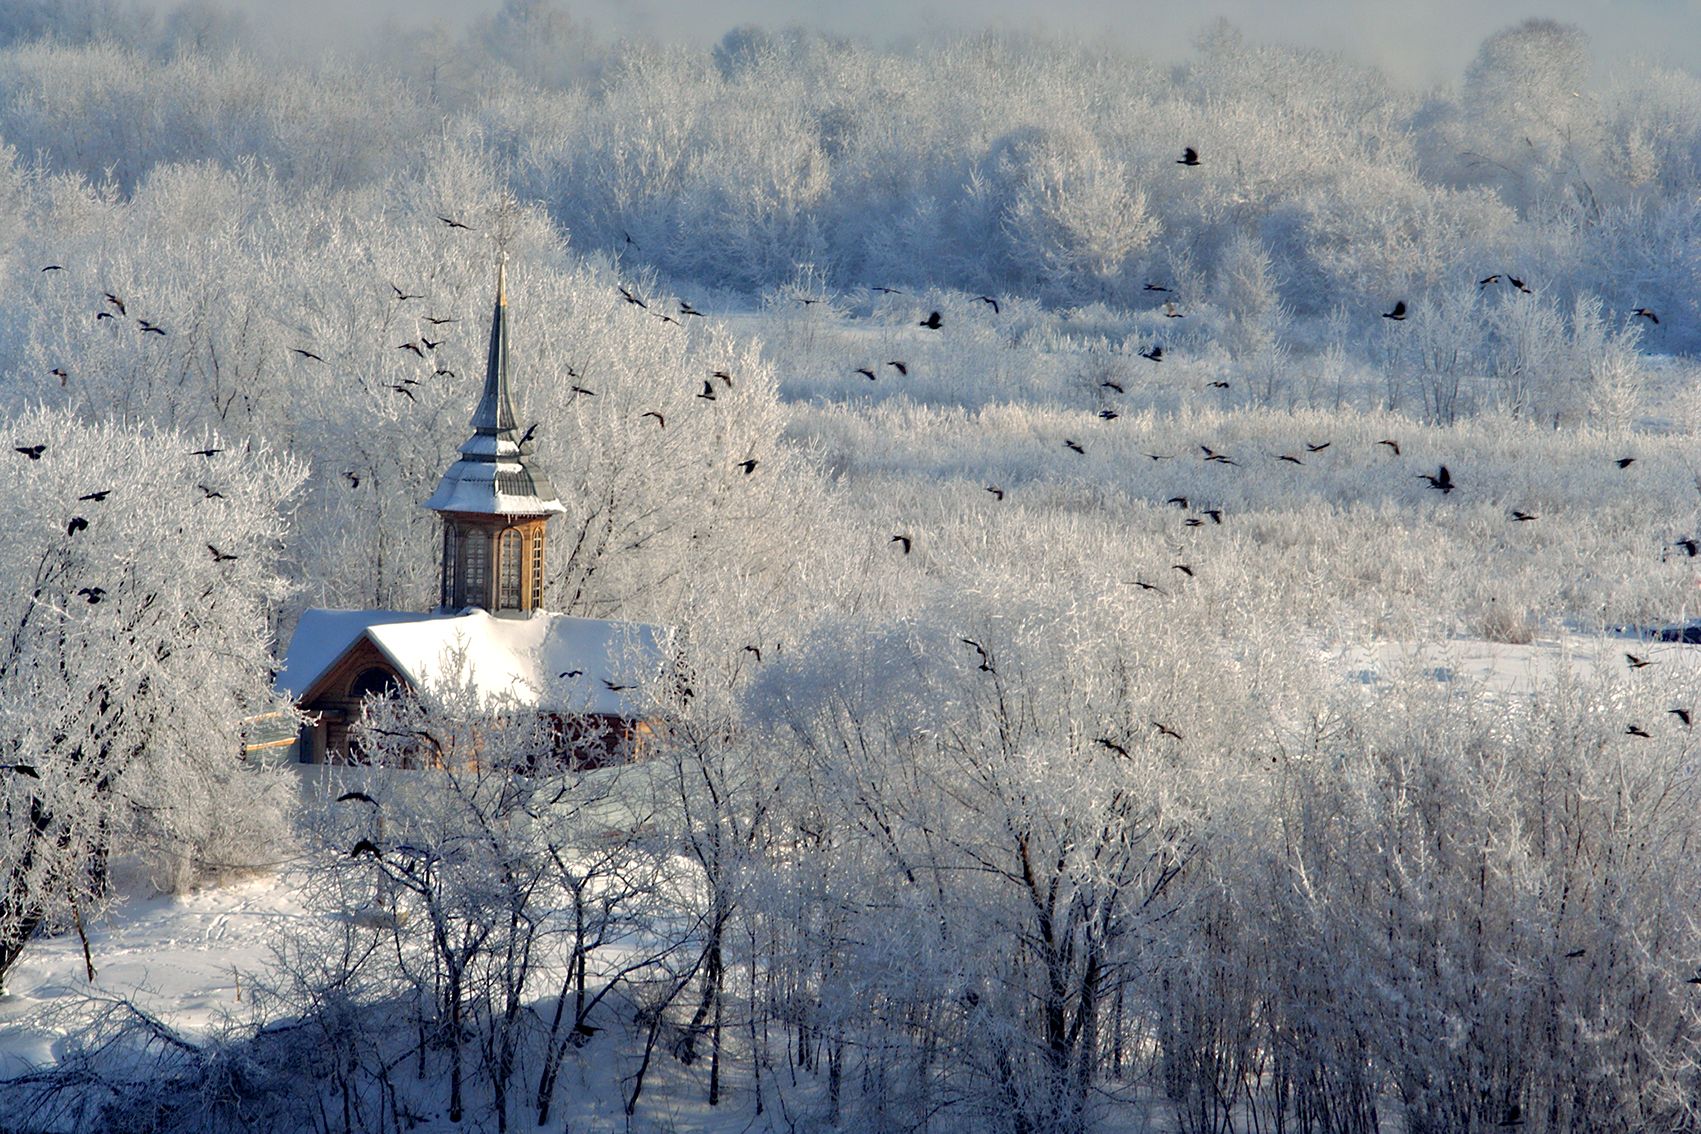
x=495, y=500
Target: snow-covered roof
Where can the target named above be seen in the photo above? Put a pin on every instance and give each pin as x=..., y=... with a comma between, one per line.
x=554, y=661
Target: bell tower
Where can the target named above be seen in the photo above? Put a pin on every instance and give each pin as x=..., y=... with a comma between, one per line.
x=495, y=500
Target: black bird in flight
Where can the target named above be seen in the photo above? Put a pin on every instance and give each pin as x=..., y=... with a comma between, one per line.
x=577, y=390
x=352, y=477
x=932, y=322
x=452, y=222
x=411, y=346
x=1215, y=514
x=531, y=431
x=666, y=318
x=1217, y=385
x=1106, y=742
x=1154, y=353
x=1637, y=730
x=1690, y=547
x=613, y=688
x=987, y=299
x=105, y=315
x=116, y=302
x=1145, y=586
x=1310, y=448
x=997, y=493
x=219, y=556
x=33, y=452
x=1644, y=313
x=1394, y=445
x=985, y=658
x=748, y=465
x=356, y=795
x=1166, y=730
x=428, y=344
x=97, y=497
x=660, y=420
x=60, y=373
x=1292, y=460
x=1486, y=280
x=1109, y=414
x=900, y=367
x=1183, y=568
x=723, y=375
x=1178, y=501
x=442, y=370
x=77, y=524
x=1680, y=714
x=1399, y=312
x=306, y=354
x=1636, y=662
x=1156, y=287
x=754, y=650
x=402, y=296
x=865, y=372
x=571, y=673
x=1189, y=156
x=1625, y=462
x=885, y=290
x=1519, y=284
x=1075, y=445
x=708, y=393
x=1522, y=517
x=1441, y=481
x=93, y=594
x=210, y=493
x=54, y=268
x=1194, y=522
x=1109, y=385
x=150, y=328
x=404, y=390
x=632, y=299
x=436, y=322
x=365, y=846
x=902, y=539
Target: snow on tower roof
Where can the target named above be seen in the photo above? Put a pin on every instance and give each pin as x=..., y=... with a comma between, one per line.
x=553, y=661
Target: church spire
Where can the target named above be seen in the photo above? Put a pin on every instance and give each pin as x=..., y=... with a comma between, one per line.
x=495, y=500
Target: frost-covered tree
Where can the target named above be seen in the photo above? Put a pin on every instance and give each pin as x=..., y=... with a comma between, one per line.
x=139, y=575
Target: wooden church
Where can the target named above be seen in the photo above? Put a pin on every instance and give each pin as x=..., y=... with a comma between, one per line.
x=490, y=629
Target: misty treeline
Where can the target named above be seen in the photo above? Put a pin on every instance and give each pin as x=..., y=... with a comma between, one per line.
x=1014, y=789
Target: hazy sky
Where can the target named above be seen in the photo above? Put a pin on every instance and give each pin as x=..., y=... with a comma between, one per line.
x=1417, y=40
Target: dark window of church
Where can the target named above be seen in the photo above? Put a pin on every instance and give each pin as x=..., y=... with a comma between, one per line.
x=475, y=574
x=509, y=561
x=376, y=681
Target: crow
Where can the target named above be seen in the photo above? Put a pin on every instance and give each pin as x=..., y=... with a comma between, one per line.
x=77, y=524
x=402, y=296
x=1399, y=312
x=116, y=302
x=1441, y=481
x=1106, y=742
x=748, y=465
x=1215, y=514
x=411, y=346
x=985, y=658
x=352, y=477
x=1154, y=353
x=571, y=673
x=436, y=322
x=1178, y=501
x=1217, y=385
x=577, y=390
x=1637, y=730
x=1690, y=547
x=1166, y=730
x=33, y=452
x=666, y=318
x=531, y=431
x=1519, y=284
x=1680, y=714
x=1394, y=445
x=1636, y=662
x=987, y=299
x=1109, y=414
x=1156, y=287
x=210, y=493
x=708, y=393
x=356, y=795
x=365, y=846
x=441, y=371
x=1625, y=462
x=1074, y=445
x=1522, y=517
x=60, y=373
x=97, y=497
x=902, y=539
x=1310, y=448
x=1194, y=522
x=613, y=688
x=723, y=375
x=1289, y=459
x=901, y=367
x=1486, y=280
x=219, y=556
x=451, y=222
x=686, y=309
x=428, y=344
x=54, y=268
x=932, y=322
x=307, y=354
x=1145, y=586
x=150, y=328
x=1109, y=385
x=1644, y=313
x=105, y=315
x=405, y=390
x=885, y=290
x=997, y=493
x=93, y=594
x=865, y=372
x=1183, y=568
x=1189, y=156
x=660, y=420
x=632, y=299
x=754, y=650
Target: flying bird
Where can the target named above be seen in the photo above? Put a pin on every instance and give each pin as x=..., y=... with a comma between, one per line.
x=987, y=299
x=865, y=372
x=1441, y=481
x=60, y=373
x=1394, y=445
x=352, y=477
x=902, y=539
x=1109, y=385
x=365, y=846
x=686, y=309
x=531, y=431
x=1145, y=586
x=210, y=493
x=666, y=318
x=1680, y=714
x=1215, y=514
x=708, y=393
x=54, y=268
x=1292, y=460
x=97, y=497
x=997, y=493
x=1636, y=662
x=632, y=299
x=1156, y=287
x=985, y=658
x=361, y=796
x=1625, y=462
x=33, y=452
x=748, y=465
x=436, y=322
x=571, y=673
x=1178, y=501
x=754, y=650
x=1690, y=547
x=1154, y=353
x=1075, y=445
x=1219, y=384
x=451, y=222
x=411, y=346
x=1189, y=156
x=306, y=354
x=932, y=322
x=1486, y=280
x=1106, y=742
x=1644, y=313
x=219, y=556
x=577, y=390
x=900, y=367
x=613, y=688
x=723, y=375
x=1109, y=414
x=1310, y=448
x=1166, y=730
x=77, y=524
x=660, y=420
x=116, y=302
x=150, y=328
x=1183, y=568
x=885, y=290
x=402, y=296
x=1522, y=517
x=1637, y=730
x=428, y=344
x=93, y=594
x=1399, y=312
x=1519, y=284
x=400, y=389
